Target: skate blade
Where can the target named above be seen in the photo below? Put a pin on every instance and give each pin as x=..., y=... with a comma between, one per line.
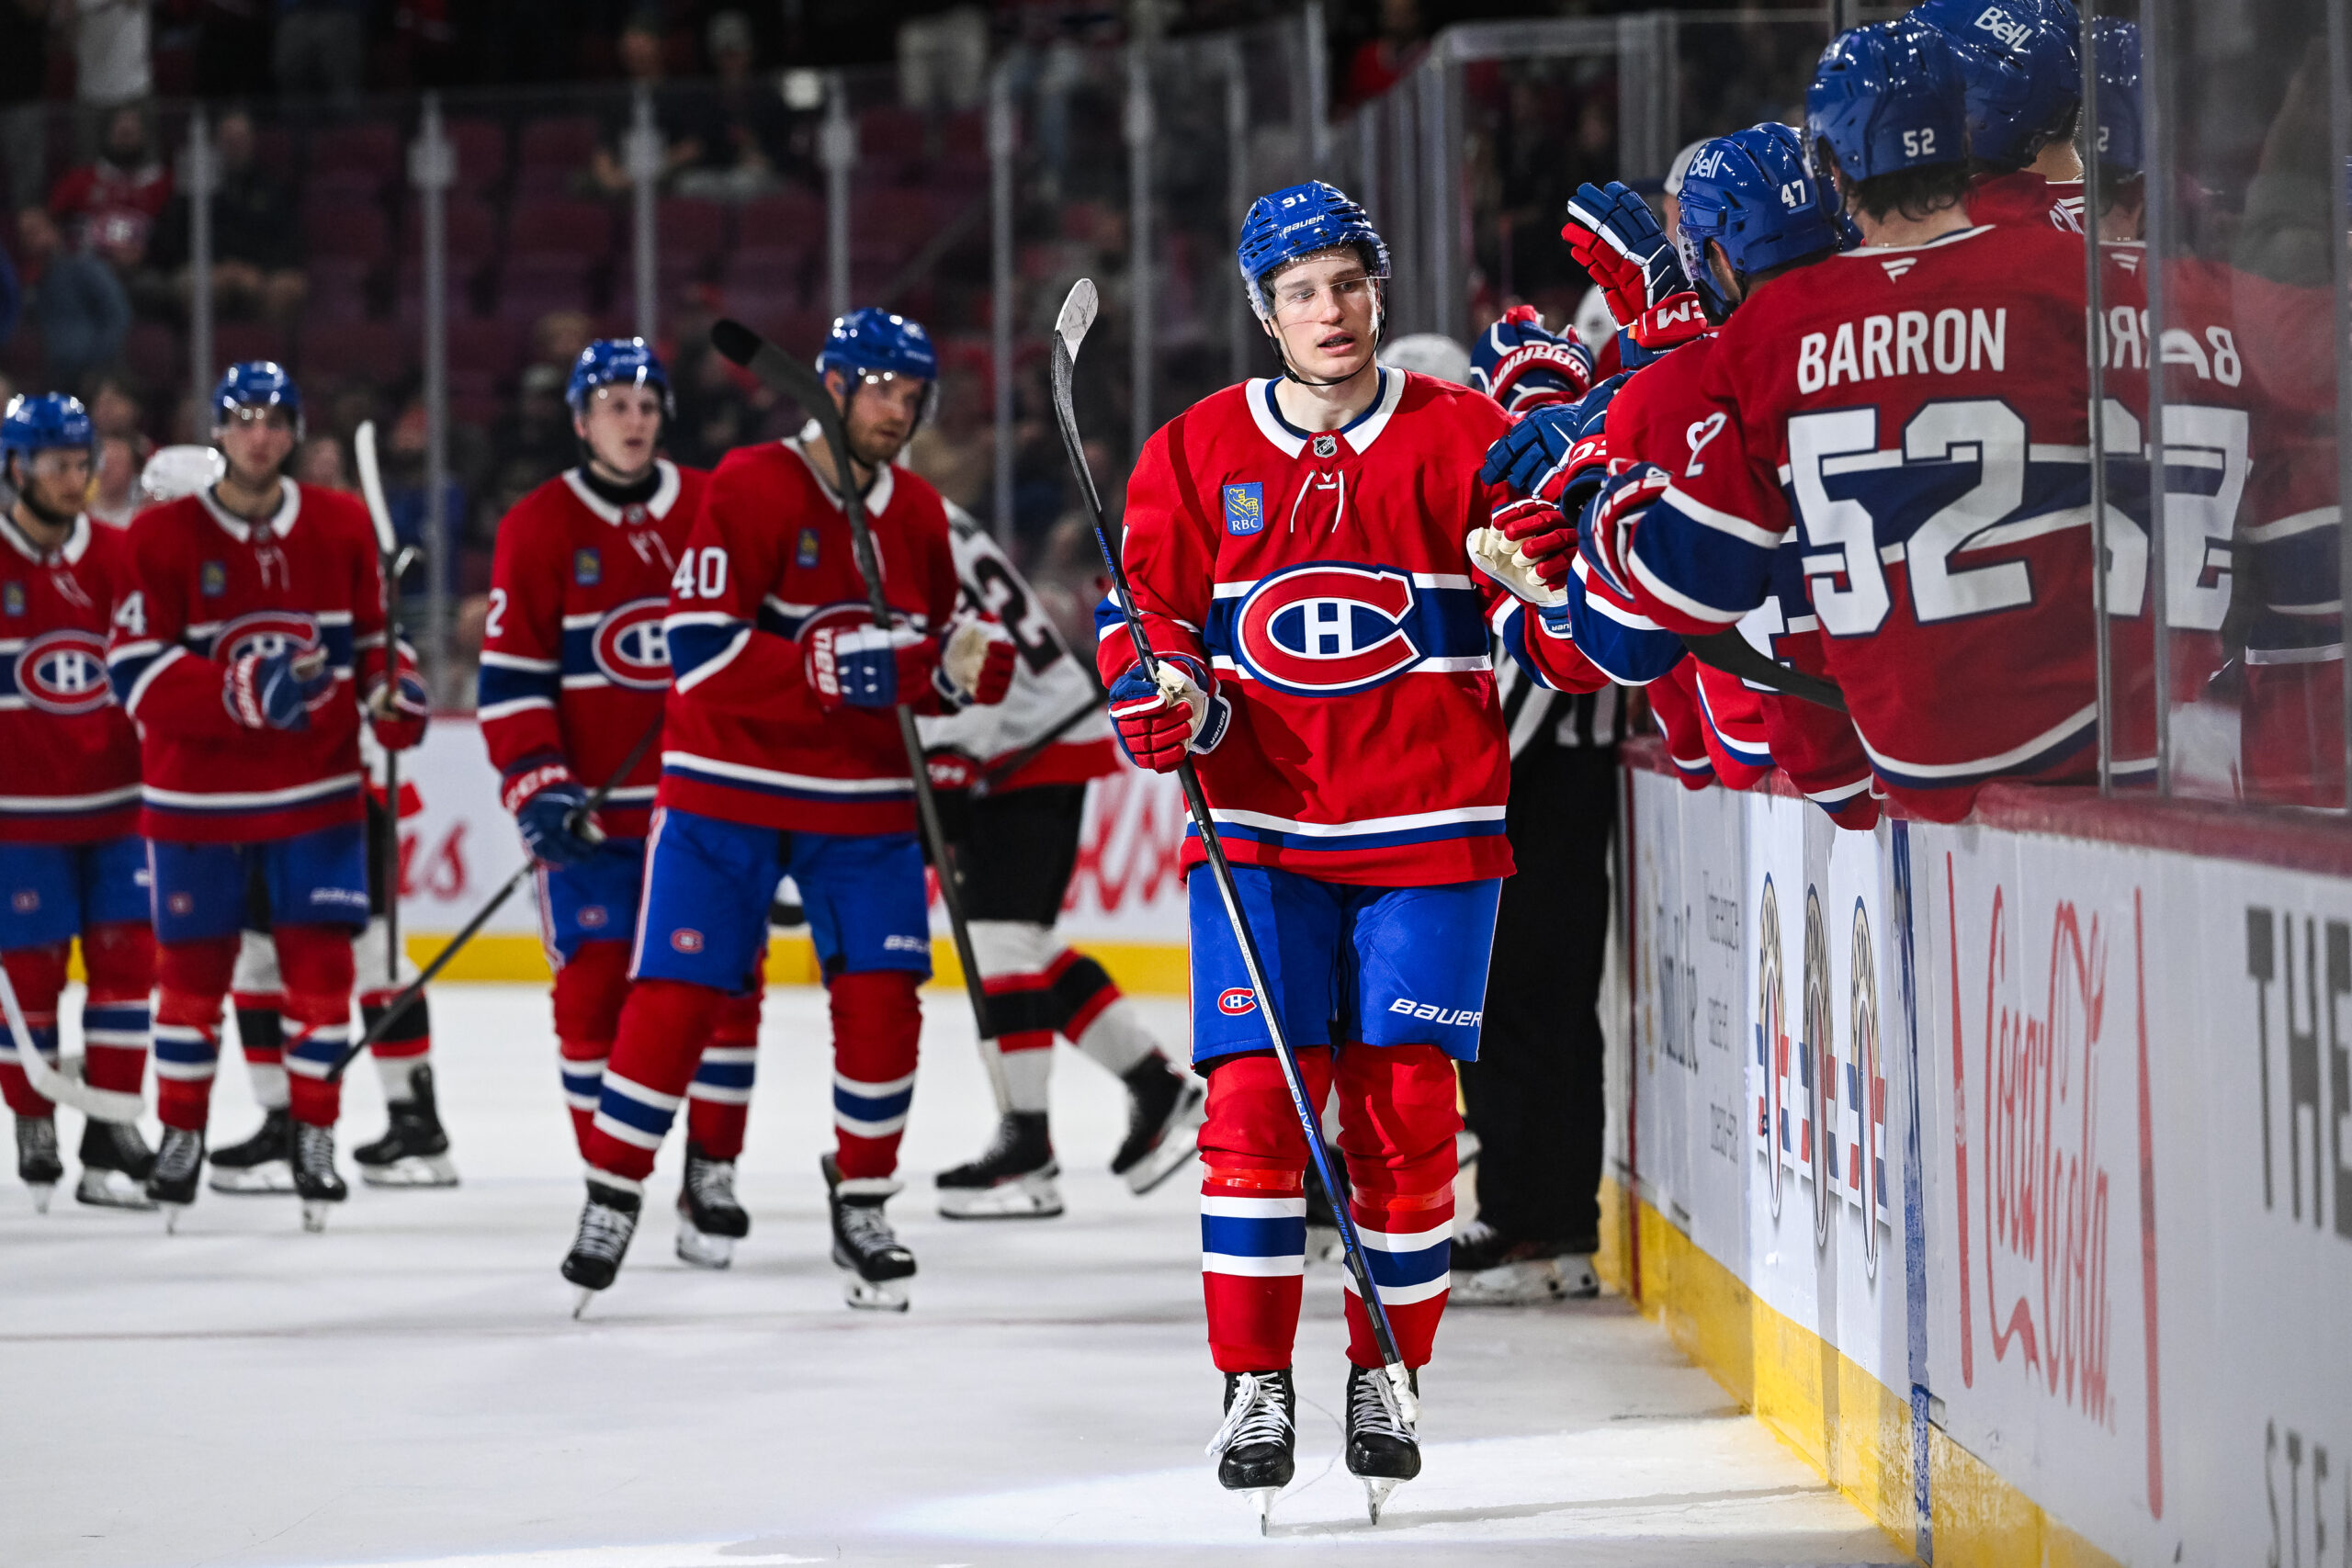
x=42, y=1192
x=111, y=1189
x=1376, y=1489
x=581, y=1296
x=412, y=1170
x=875, y=1296
x=1175, y=1150
x=172, y=1213
x=271, y=1176
x=704, y=1250
x=1261, y=1500
x=1031, y=1197
x=314, y=1214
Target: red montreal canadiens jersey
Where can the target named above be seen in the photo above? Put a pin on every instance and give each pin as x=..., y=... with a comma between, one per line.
x=575, y=664
x=1324, y=579
x=1918, y=415
x=769, y=561
x=209, y=589
x=2024, y=196
x=69, y=764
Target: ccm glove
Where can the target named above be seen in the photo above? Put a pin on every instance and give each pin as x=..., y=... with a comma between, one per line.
x=1605, y=532
x=1493, y=553
x=1546, y=536
x=398, y=712
x=865, y=666
x=1158, y=721
x=979, y=662
x=551, y=809
x=1523, y=367
x=274, y=691
x=1615, y=237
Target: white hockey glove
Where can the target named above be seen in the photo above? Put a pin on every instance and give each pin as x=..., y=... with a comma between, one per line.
x=979, y=661
x=1493, y=553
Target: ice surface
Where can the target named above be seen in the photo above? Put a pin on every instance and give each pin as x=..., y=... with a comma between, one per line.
x=408, y=1388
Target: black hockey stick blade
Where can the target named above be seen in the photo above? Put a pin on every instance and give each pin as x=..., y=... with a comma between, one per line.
x=1734, y=655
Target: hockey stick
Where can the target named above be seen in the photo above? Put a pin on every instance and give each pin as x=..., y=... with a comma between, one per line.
x=392, y=563
x=61, y=1085
x=741, y=345
x=1069, y=333
x=1034, y=749
x=401, y=1003
x=1734, y=655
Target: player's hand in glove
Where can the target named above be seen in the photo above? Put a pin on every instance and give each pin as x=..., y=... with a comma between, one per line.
x=1158, y=721
x=1615, y=237
x=398, y=712
x=1529, y=450
x=1671, y=322
x=1493, y=553
x=1522, y=366
x=1546, y=537
x=1605, y=532
x=865, y=666
x=274, y=690
x=979, y=661
x=551, y=809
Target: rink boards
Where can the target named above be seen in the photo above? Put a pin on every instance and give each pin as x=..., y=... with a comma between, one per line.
x=1126, y=907
x=2003, y=1170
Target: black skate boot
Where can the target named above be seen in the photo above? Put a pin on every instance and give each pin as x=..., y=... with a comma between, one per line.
x=710, y=1222
x=179, y=1160
x=115, y=1167
x=314, y=1174
x=262, y=1163
x=37, y=1166
x=413, y=1151
x=607, y=1221
x=1491, y=1268
x=1165, y=1109
x=1256, y=1448
x=1382, y=1449
x=877, y=1264
x=1012, y=1181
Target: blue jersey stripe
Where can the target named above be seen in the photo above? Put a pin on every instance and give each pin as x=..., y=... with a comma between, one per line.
x=1435, y=833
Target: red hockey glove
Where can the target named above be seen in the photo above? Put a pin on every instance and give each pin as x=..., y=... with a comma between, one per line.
x=399, y=712
x=274, y=690
x=1605, y=533
x=979, y=662
x=1159, y=722
x=1546, y=538
x=1615, y=237
x=865, y=666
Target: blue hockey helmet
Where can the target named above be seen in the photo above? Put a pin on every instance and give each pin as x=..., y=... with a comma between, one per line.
x=1887, y=97
x=1752, y=193
x=1298, y=221
x=257, y=383
x=2020, y=62
x=873, y=340
x=614, y=361
x=2116, y=49
x=43, y=421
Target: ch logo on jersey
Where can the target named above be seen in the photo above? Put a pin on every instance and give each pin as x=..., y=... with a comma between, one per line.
x=64, y=673
x=629, y=647
x=1237, y=1001
x=1319, y=630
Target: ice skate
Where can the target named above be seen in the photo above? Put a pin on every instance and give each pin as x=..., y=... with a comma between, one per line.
x=1493, y=1270
x=37, y=1166
x=1165, y=1109
x=314, y=1174
x=1382, y=1449
x=115, y=1167
x=877, y=1264
x=1256, y=1449
x=413, y=1151
x=1013, y=1179
x=179, y=1158
x=607, y=1221
x=262, y=1163
x=710, y=1222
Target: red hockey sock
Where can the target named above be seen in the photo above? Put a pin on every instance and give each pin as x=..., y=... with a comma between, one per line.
x=1397, y=1120
x=718, y=1104
x=590, y=987
x=316, y=962
x=876, y=1023
x=663, y=1027
x=404, y=1047
x=191, y=977
x=1253, y=1208
x=120, y=958
x=38, y=974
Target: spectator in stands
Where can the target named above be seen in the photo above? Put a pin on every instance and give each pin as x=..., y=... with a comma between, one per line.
x=113, y=56
x=117, y=406
x=319, y=464
x=715, y=414
x=405, y=493
x=111, y=204
x=1379, y=60
x=114, y=487
x=23, y=119
x=748, y=128
x=957, y=451
x=73, y=299
x=681, y=118
x=256, y=243
x=321, y=48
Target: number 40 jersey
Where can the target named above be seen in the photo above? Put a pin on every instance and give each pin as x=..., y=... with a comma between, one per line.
x=1919, y=415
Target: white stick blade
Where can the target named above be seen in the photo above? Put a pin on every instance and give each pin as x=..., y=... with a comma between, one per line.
x=1078, y=314
x=371, y=484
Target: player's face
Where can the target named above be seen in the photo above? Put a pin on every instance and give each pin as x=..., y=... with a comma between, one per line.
x=622, y=426
x=1325, y=313
x=257, y=439
x=882, y=415
x=58, y=480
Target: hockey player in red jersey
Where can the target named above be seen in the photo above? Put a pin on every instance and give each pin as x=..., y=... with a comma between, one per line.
x=248, y=653
x=1928, y=400
x=71, y=862
x=574, y=672
x=782, y=755
x=2020, y=64
x=1011, y=780
x=1297, y=552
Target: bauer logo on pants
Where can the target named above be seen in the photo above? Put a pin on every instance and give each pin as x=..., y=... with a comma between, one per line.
x=1239, y=1000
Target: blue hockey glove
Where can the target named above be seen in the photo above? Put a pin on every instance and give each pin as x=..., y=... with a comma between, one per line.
x=865, y=666
x=274, y=691
x=551, y=809
x=1530, y=449
x=1522, y=366
x=1618, y=240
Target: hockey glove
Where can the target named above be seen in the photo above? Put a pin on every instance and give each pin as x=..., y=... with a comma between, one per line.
x=399, y=713
x=1605, y=532
x=551, y=809
x=274, y=690
x=1546, y=536
x=1617, y=240
x=1671, y=322
x=979, y=662
x=1523, y=367
x=1530, y=449
x=865, y=666
x=1492, y=553
x=1159, y=722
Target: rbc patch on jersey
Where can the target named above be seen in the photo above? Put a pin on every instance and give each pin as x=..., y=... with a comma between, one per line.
x=212, y=579
x=587, y=567
x=12, y=599
x=1245, y=508
x=806, y=555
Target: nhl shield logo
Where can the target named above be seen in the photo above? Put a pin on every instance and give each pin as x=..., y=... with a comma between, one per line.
x=1326, y=446
x=1245, y=508
x=1319, y=630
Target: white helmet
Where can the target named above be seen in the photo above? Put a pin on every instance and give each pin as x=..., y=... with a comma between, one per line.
x=1431, y=353
x=175, y=471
